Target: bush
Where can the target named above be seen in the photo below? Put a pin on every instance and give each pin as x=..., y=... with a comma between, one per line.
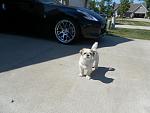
x=148, y=14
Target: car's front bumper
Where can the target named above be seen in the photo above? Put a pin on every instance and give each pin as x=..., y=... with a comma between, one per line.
x=93, y=29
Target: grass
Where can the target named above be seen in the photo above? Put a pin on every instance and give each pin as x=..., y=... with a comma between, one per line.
x=131, y=33
x=130, y=22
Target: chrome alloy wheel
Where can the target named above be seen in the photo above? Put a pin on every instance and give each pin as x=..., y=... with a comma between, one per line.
x=65, y=31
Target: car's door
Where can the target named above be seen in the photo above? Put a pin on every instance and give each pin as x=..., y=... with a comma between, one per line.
x=2, y=10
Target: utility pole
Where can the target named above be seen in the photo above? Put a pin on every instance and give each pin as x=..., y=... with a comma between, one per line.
x=113, y=17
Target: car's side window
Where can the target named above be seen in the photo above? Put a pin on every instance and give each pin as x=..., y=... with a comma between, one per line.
x=17, y=4
x=32, y=7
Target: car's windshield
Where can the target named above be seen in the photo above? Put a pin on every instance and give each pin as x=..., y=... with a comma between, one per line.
x=49, y=1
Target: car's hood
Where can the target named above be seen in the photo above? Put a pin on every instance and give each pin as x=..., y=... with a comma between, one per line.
x=74, y=9
x=57, y=6
x=91, y=12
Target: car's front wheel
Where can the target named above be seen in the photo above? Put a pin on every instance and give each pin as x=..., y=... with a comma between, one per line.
x=65, y=31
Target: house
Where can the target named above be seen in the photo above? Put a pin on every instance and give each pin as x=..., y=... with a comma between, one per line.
x=78, y=3
x=135, y=11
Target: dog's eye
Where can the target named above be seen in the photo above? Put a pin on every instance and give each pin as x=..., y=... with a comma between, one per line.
x=84, y=53
x=90, y=53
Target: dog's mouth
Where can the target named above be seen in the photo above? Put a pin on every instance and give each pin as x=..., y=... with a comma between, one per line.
x=87, y=56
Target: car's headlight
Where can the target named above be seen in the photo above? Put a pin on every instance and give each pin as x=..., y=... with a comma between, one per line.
x=87, y=15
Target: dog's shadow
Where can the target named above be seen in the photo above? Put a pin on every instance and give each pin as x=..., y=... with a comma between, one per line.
x=99, y=74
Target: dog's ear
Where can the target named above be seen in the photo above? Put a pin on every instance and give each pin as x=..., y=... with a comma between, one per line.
x=81, y=51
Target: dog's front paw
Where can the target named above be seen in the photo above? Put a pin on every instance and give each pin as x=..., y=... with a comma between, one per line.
x=81, y=75
x=88, y=77
x=93, y=68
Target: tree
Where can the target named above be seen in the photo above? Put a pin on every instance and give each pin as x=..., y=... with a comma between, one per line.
x=147, y=4
x=93, y=5
x=109, y=8
x=124, y=7
x=148, y=7
x=131, y=1
x=102, y=6
x=86, y=2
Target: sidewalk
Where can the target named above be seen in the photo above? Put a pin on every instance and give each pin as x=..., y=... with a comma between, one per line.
x=140, y=19
x=133, y=27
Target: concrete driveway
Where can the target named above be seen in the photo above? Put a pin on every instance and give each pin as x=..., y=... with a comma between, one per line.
x=41, y=76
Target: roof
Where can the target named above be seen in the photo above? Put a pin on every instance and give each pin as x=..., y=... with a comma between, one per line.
x=133, y=7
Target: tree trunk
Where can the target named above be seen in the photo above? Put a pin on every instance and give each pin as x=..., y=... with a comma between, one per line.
x=86, y=2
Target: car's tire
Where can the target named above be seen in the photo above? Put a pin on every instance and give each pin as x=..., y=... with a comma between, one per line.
x=66, y=30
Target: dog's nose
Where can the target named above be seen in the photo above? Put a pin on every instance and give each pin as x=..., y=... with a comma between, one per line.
x=88, y=55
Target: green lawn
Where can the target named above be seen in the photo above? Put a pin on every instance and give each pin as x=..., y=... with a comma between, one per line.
x=131, y=33
x=130, y=22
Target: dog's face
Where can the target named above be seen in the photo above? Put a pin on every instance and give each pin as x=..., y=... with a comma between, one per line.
x=87, y=53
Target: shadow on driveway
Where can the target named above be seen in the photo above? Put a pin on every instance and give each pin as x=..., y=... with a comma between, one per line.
x=19, y=51
x=99, y=74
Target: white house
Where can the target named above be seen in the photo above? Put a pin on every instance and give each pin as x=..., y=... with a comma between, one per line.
x=135, y=11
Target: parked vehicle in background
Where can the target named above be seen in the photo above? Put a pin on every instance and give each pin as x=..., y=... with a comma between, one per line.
x=65, y=23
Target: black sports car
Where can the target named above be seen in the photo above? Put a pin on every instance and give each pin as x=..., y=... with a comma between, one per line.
x=65, y=23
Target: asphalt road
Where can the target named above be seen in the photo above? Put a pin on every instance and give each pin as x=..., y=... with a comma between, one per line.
x=41, y=76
